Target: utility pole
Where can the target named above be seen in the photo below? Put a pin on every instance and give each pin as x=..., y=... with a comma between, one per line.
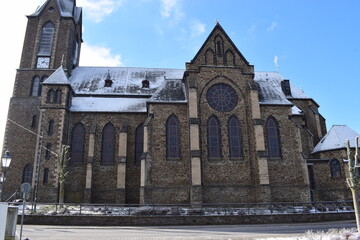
x=352, y=181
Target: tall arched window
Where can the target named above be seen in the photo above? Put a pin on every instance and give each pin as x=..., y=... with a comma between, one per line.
x=108, y=145
x=139, y=143
x=214, y=137
x=273, y=138
x=35, y=86
x=48, y=151
x=50, y=96
x=173, y=137
x=46, y=39
x=234, y=135
x=27, y=174
x=58, y=96
x=77, y=143
x=335, y=168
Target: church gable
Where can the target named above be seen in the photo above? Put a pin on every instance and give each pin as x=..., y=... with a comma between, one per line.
x=219, y=50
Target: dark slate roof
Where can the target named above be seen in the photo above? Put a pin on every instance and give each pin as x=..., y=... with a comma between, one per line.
x=67, y=8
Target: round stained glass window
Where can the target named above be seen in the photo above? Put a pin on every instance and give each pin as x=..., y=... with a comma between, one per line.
x=222, y=97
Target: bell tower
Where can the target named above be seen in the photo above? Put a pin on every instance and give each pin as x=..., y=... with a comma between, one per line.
x=53, y=38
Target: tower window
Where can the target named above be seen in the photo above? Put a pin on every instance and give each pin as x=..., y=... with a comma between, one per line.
x=33, y=121
x=27, y=174
x=51, y=127
x=36, y=87
x=46, y=39
x=48, y=151
x=58, y=96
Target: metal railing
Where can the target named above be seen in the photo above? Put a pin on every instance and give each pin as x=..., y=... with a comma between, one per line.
x=229, y=209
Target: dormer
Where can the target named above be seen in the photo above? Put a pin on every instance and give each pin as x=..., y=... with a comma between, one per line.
x=108, y=81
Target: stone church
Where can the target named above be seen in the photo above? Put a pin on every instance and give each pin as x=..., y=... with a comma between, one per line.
x=215, y=132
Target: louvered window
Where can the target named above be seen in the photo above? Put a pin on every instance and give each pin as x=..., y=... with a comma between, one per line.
x=46, y=39
x=234, y=135
x=214, y=137
x=77, y=143
x=108, y=145
x=173, y=137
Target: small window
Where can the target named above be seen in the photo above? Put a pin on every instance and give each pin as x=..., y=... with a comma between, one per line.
x=58, y=96
x=46, y=176
x=214, y=137
x=335, y=168
x=51, y=127
x=173, y=137
x=48, y=151
x=27, y=174
x=145, y=84
x=139, y=143
x=50, y=96
x=273, y=138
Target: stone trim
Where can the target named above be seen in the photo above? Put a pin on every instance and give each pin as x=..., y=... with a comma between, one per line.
x=258, y=121
x=194, y=120
x=195, y=153
x=192, y=83
x=121, y=159
x=261, y=154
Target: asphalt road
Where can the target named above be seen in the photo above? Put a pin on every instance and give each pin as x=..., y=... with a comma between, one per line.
x=225, y=232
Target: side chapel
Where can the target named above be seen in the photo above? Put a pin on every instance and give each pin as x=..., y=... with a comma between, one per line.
x=215, y=132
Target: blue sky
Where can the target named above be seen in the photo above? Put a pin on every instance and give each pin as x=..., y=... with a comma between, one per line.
x=317, y=42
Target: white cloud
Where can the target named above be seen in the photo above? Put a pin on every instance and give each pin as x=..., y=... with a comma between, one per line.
x=272, y=27
x=197, y=28
x=97, y=10
x=98, y=56
x=171, y=9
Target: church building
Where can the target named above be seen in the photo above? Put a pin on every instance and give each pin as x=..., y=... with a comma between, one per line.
x=215, y=132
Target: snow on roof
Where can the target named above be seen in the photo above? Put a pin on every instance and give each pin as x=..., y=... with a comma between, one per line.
x=103, y=104
x=126, y=81
x=296, y=111
x=170, y=91
x=270, y=91
x=336, y=139
x=58, y=77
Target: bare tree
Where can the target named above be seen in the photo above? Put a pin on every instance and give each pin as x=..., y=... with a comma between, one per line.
x=353, y=181
x=63, y=158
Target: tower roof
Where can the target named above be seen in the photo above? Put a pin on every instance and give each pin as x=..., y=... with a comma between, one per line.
x=336, y=139
x=58, y=77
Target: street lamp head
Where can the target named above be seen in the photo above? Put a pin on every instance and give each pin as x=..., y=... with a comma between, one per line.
x=6, y=159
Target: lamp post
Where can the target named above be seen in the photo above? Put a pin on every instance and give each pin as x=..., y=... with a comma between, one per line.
x=5, y=163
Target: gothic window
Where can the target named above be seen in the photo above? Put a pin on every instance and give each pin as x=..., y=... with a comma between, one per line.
x=48, y=151
x=33, y=121
x=40, y=86
x=139, y=143
x=173, y=137
x=273, y=138
x=214, y=137
x=35, y=87
x=77, y=143
x=50, y=96
x=57, y=96
x=46, y=39
x=209, y=57
x=108, y=145
x=27, y=174
x=51, y=127
x=219, y=45
x=229, y=58
x=335, y=168
x=234, y=135
x=46, y=176
x=222, y=97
